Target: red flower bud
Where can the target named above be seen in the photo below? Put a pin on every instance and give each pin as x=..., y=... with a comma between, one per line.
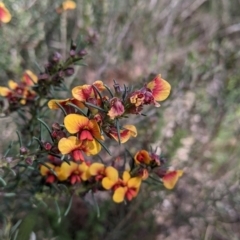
x=56, y=126
x=23, y=150
x=47, y=146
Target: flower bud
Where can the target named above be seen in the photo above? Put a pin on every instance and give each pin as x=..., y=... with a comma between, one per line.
x=56, y=126
x=23, y=150
x=72, y=53
x=82, y=53
x=29, y=161
x=43, y=76
x=55, y=58
x=69, y=71
x=54, y=133
x=47, y=146
x=117, y=87
x=73, y=46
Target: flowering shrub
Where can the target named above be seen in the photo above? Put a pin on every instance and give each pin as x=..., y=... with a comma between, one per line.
x=62, y=159
x=92, y=114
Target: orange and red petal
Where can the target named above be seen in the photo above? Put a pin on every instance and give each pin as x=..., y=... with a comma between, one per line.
x=82, y=93
x=86, y=135
x=29, y=78
x=142, y=156
x=171, y=177
x=77, y=155
x=160, y=88
x=99, y=85
x=95, y=130
x=52, y=104
x=125, y=134
x=117, y=108
x=132, y=130
x=131, y=193
x=74, y=123
x=77, y=103
x=5, y=15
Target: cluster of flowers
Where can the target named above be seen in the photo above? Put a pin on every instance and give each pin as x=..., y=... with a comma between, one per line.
x=89, y=115
x=20, y=93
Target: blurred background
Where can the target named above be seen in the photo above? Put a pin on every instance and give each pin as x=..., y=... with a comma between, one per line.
x=195, y=45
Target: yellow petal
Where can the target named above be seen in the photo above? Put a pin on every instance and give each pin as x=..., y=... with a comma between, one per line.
x=83, y=168
x=107, y=183
x=65, y=170
x=112, y=173
x=134, y=182
x=119, y=194
x=75, y=122
x=96, y=168
x=67, y=145
x=4, y=91
x=126, y=176
x=67, y=5
x=93, y=147
x=45, y=170
x=12, y=85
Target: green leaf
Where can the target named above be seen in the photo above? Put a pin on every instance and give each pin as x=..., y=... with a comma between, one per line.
x=46, y=126
x=118, y=131
x=8, y=149
x=38, y=140
x=94, y=106
x=96, y=89
x=80, y=63
x=19, y=138
x=69, y=207
x=103, y=146
x=109, y=90
x=26, y=226
x=58, y=212
x=3, y=182
x=14, y=228
x=96, y=204
x=79, y=109
x=62, y=108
